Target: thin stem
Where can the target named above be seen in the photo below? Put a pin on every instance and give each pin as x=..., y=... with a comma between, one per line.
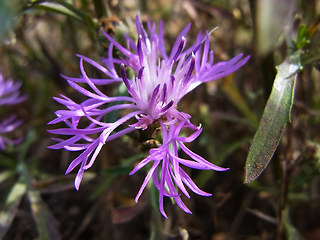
x=285, y=180
x=288, y=166
x=100, y=8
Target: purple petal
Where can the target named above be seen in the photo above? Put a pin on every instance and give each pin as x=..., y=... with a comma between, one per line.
x=146, y=180
x=188, y=181
x=199, y=159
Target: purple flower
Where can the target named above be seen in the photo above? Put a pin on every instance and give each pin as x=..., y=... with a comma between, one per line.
x=6, y=126
x=9, y=92
x=9, y=95
x=160, y=81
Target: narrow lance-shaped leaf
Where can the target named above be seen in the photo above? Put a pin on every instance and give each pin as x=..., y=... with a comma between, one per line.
x=274, y=119
x=10, y=207
x=291, y=232
x=57, y=8
x=272, y=18
x=46, y=223
x=10, y=12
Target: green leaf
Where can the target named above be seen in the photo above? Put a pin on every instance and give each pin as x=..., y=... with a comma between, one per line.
x=9, y=14
x=100, y=8
x=155, y=223
x=10, y=208
x=6, y=17
x=290, y=229
x=272, y=16
x=46, y=223
x=67, y=9
x=5, y=175
x=303, y=37
x=274, y=119
x=57, y=8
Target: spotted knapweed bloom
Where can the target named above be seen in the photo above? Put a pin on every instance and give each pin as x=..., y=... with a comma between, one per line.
x=9, y=95
x=154, y=91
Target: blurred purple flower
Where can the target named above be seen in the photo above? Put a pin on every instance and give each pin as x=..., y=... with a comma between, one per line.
x=6, y=126
x=9, y=95
x=10, y=92
x=160, y=82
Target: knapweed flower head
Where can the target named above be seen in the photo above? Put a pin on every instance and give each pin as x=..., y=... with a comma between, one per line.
x=9, y=95
x=6, y=126
x=154, y=91
x=10, y=92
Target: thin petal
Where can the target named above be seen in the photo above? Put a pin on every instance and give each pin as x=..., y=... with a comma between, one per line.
x=199, y=159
